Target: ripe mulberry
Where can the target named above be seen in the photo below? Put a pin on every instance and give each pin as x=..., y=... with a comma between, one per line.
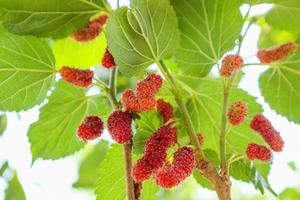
x=278, y=53
x=135, y=104
x=91, y=31
x=182, y=167
x=150, y=86
x=82, y=78
x=142, y=170
x=119, y=127
x=260, y=152
x=108, y=60
x=165, y=109
x=267, y=131
x=231, y=63
x=90, y=129
x=237, y=113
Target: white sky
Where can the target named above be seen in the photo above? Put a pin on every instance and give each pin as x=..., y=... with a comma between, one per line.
x=49, y=180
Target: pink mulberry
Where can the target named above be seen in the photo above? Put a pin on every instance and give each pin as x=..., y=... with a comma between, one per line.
x=82, y=78
x=150, y=86
x=165, y=109
x=231, y=63
x=255, y=151
x=237, y=113
x=108, y=60
x=90, y=129
x=119, y=127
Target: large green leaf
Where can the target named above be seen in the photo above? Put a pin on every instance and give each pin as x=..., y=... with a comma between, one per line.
x=205, y=110
x=280, y=87
x=262, y=171
x=55, y=18
x=27, y=71
x=290, y=194
x=14, y=190
x=149, y=190
x=285, y=15
x=89, y=166
x=143, y=34
x=3, y=123
x=208, y=30
x=69, y=52
x=53, y=136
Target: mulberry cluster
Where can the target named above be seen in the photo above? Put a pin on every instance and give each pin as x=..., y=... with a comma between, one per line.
x=255, y=151
x=165, y=109
x=91, y=128
x=267, y=131
x=108, y=60
x=93, y=29
x=82, y=78
x=231, y=63
x=119, y=127
x=182, y=167
x=237, y=113
x=143, y=98
x=155, y=153
x=278, y=53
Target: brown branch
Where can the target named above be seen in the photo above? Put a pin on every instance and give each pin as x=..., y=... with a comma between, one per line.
x=130, y=189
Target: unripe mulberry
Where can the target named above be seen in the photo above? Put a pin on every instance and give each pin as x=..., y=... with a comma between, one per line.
x=237, y=113
x=119, y=127
x=135, y=104
x=231, y=63
x=165, y=109
x=150, y=86
x=82, y=78
x=108, y=60
x=182, y=167
x=263, y=126
x=90, y=129
x=260, y=152
x=91, y=31
x=279, y=53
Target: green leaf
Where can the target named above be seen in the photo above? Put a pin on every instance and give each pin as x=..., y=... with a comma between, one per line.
x=53, y=136
x=280, y=87
x=208, y=30
x=3, y=168
x=148, y=123
x=204, y=107
x=201, y=180
x=289, y=194
x=3, y=123
x=111, y=182
x=55, y=18
x=149, y=190
x=27, y=71
x=89, y=166
x=254, y=2
x=69, y=52
x=142, y=35
x=241, y=170
x=14, y=190
x=292, y=165
x=285, y=15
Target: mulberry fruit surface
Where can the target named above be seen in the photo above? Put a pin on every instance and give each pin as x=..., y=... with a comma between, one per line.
x=165, y=109
x=108, y=60
x=90, y=129
x=82, y=78
x=134, y=104
x=229, y=64
x=150, y=86
x=237, y=113
x=260, y=152
x=119, y=127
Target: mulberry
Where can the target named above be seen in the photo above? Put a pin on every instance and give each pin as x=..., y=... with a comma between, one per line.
x=119, y=127
x=237, y=113
x=165, y=109
x=82, y=78
x=279, y=53
x=93, y=29
x=255, y=151
x=134, y=104
x=108, y=60
x=231, y=63
x=182, y=167
x=91, y=128
x=267, y=131
x=150, y=86
x=142, y=170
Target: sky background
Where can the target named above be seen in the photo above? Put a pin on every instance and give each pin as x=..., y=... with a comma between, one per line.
x=50, y=180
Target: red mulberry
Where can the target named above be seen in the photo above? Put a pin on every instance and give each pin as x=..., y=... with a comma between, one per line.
x=278, y=53
x=182, y=167
x=82, y=78
x=119, y=127
x=255, y=151
x=267, y=131
x=165, y=109
x=229, y=64
x=200, y=138
x=134, y=104
x=237, y=113
x=108, y=60
x=93, y=29
x=150, y=86
x=142, y=170
x=91, y=128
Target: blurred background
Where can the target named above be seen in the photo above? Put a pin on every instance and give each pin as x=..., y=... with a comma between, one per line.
x=59, y=180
